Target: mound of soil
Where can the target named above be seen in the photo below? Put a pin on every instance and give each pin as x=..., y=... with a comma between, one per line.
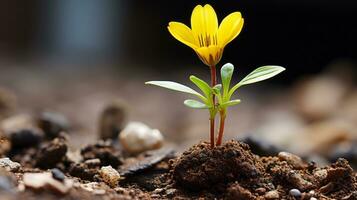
x=231, y=171
x=201, y=167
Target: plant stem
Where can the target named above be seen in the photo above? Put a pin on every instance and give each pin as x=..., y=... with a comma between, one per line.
x=221, y=127
x=212, y=116
x=212, y=131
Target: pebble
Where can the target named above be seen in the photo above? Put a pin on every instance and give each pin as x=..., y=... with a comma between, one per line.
x=272, y=195
x=45, y=180
x=295, y=193
x=6, y=182
x=158, y=190
x=138, y=137
x=292, y=159
x=110, y=175
x=9, y=165
x=53, y=124
x=170, y=192
x=94, y=187
x=112, y=120
x=93, y=162
x=21, y=131
x=58, y=174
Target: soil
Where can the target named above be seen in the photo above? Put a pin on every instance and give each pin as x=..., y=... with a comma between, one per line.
x=229, y=171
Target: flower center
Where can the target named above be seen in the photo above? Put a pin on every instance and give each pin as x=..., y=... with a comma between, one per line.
x=207, y=40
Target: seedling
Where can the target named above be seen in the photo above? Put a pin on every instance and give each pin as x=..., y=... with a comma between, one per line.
x=208, y=41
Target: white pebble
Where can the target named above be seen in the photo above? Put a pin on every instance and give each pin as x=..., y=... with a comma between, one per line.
x=45, y=180
x=9, y=165
x=138, y=137
x=110, y=175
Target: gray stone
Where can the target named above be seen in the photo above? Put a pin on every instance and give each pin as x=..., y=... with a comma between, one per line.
x=9, y=165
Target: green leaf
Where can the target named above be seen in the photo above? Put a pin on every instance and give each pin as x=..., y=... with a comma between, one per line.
x=204, y=87
x=261, y=73
x=195, y=104
x=217, y=89
x=226, y=76
x=174, y=86
x=231, y=103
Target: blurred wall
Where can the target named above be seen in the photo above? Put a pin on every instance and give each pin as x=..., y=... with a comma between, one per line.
x=303, y=35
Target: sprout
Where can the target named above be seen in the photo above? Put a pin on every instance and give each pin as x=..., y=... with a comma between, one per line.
x=222, y=92
x=208, y=41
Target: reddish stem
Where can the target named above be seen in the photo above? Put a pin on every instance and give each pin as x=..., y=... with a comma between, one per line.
x=221, y=128
x=212, y=118
x=212, y=131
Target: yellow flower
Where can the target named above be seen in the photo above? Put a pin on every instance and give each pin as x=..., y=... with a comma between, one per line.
x=205, y=37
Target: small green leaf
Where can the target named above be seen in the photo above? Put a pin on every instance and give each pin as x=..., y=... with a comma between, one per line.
x=217, y=89
x=261, y=73
x=174, y=86
x=231, y=103
x=204, y=87
x=195, y=104
x=226, y=76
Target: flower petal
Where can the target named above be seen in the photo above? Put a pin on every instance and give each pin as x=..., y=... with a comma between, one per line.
x=210, y=55
x=230, y=28
x=204, y=21
x=182, y=33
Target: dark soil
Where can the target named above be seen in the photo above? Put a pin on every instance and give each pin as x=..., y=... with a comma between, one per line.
x=230, y=171
x=201, y=167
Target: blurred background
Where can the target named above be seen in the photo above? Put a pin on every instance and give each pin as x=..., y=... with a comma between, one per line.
x=75, y=57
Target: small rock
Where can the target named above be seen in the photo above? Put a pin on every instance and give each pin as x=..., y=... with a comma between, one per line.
x=74, y=156
x=138, y=137
x=170, y=192
x=94, y=187
x=52, y=124
x=6, y=182
x=52, y=153
x=110, y=175
x=272, y=195
x=9, y=165
x=112, y=120
x=57, y=174
x=158, y=190
x=295, y=193
x=92, y=162
x=41, y=181
x=21, y=131
x=292, y=159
